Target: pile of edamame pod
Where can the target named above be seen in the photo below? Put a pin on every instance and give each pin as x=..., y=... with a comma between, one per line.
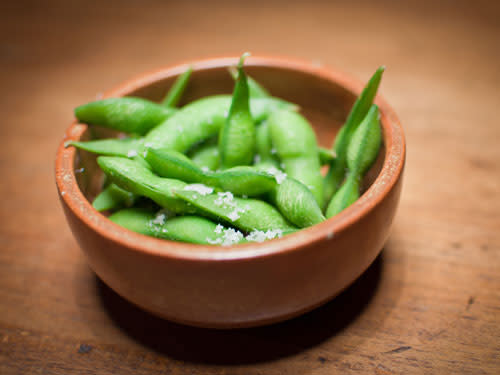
x=223, y=169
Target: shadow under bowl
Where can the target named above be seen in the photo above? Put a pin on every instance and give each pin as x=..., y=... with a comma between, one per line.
x=251, y=284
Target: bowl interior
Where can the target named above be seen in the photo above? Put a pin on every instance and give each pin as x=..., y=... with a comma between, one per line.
x=323, y=102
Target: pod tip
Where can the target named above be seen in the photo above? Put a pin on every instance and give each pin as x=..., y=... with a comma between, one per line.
x=242, y=59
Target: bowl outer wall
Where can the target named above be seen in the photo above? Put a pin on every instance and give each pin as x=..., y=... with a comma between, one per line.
x=245, y=285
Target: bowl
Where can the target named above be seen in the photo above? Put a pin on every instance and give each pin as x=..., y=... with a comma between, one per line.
x=250, y=284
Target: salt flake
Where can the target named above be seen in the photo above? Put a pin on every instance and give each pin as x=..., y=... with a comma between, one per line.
x=199, y=188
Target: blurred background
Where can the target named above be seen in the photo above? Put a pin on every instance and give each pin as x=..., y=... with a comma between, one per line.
x=442, y=79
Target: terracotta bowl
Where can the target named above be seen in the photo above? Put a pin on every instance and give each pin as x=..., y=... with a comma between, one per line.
x=252, y=284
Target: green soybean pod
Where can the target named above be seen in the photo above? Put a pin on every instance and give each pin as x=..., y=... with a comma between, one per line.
x=192, y=124
x=200, y=230
x=244, y=181
x=173, y=164
x=206, y=156
x=358, y=112
x=202, y=119
x=237, y=136
x=336, y=173
x=297, y=204
x=264, y=157
x=297, y=147
x=292, y=135
x=239, y=180
x=113, y=197
x=361, y=154
x=365, y=143
x=126, y=147
x=174, y=94
x=192, y=229
x=128, y=114
x=306, y=169
x=255, y=89
x=137, y=220
x=344, y=197
x=245, y=214
x=139, y=180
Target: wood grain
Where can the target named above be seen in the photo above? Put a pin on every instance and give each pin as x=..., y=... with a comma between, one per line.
x=431, y=301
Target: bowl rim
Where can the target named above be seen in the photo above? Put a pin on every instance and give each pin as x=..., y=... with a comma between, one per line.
x=390, y=173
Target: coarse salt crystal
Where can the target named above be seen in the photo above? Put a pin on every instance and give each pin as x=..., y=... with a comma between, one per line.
x=199, y=188
x=274, y=233
x=231, y=237
x=279, y=176
x=159, y=219
x=225, y=199
x=260, y=236
x=218, y=229
x=256, y=236
x=233, y=216
x=132, y=153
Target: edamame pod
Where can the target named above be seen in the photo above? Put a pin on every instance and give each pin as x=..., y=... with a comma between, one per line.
x=174, y=94
x=126, y=147
x=264, y=157
x=361, y=154
x=173, y=164
x=296, y=146
x=292, y=135
x=245, y=181
x=297, y=204
x=336, y=173
x=113, y=197
x=239, y=180
x=193, y=229
x=128, y=114
x=237, y=136
x=203, y=119
x=344, y=197
x=137, y=220
x=365, y=143
x=245, y=214
x=139, y=180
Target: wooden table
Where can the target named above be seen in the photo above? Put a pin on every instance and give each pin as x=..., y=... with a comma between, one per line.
x=429, y=304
